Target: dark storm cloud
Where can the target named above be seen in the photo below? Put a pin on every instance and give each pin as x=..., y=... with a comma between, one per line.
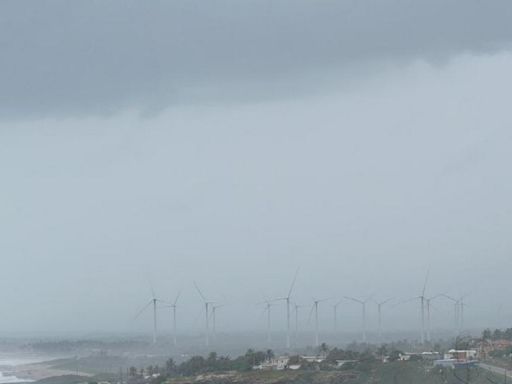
x=97, y=57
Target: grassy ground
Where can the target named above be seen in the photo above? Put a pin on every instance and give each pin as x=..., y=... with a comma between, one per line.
x=376, y=373
x=391, y=373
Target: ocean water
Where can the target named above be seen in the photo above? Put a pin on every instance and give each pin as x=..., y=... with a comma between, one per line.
x=11, y=379
x=8, y=361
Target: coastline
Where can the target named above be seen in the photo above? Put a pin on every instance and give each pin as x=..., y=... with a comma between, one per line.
x=43, y=370
x=33, y=371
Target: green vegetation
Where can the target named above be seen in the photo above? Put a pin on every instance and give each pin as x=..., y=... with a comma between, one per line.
x=74, y=379
x=389, y=373
x=497, y=334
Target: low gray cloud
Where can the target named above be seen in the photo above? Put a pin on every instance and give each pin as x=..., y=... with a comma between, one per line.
x=95, y=57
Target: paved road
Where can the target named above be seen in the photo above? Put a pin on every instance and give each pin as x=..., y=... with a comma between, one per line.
x=496, y=370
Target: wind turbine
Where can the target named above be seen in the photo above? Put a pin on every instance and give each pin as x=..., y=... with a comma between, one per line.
x=214, y=319
x=153, y=302
x=335, y=310
x=287, y=299
x=458, y=305
x=173, y=314
x=422, y=300
x=315, y=309
x=268, y=305
x=380, y=304
x=461, y=312
x=296, y=308
x=206, y=309
x=428, y=306
x=363, y=306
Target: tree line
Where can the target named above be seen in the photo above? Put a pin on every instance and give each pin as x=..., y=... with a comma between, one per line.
x=198, y=364
x=497, y=334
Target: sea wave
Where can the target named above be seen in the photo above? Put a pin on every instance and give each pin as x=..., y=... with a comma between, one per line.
x=11, y=379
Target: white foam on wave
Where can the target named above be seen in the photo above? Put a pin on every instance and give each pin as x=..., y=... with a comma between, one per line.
x=8, y=361
x=13, y=361
x=11, y=379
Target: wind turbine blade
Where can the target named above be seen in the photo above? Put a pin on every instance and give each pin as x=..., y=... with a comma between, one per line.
x=153, y=296
x=177, y=298
x=436, y=296
x=279, y=299
x=425, y=284
x=435, y=308
x=293, y=283
x=448, y=297
x=381, y=303
x=353, y=299
x=386, y=301
x=199, y=291
x=143, y=309
x=311, y=313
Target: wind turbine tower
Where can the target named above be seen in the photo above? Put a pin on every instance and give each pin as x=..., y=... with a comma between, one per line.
x=379, y=311
x=173, y=313
x=455, y=312
x=363, y=307
x=154, y=301
x=422, y=308
x=315, y=309
x=461, y=313
x=207, y=314
x=428, y=302
x=287, y=300
x=335, y=310
x=267, y=309
x=296, y=308
x=214, y=319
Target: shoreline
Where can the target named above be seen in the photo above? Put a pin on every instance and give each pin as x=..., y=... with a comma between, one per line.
x=37, y=371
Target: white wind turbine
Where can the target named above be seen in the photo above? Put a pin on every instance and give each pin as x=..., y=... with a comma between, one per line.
x=173, y=318
x=363, y=307
x=458, y=317
x=207, y=314
x=267, y=309
x=296, y=308
x=422, y=300
x=153, y=302
x=287, y=300
x=462, y=305
x=428, y=306
x=380, y=304
x=335, y=310
x=214, y=319
x=314, y=308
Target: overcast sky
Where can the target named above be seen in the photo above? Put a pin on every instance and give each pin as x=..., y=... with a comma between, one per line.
x=230, y=142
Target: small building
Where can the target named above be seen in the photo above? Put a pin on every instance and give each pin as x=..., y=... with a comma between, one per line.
x=341, y=363
x=274, y=364
x=461, y=355
x=313, y=359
